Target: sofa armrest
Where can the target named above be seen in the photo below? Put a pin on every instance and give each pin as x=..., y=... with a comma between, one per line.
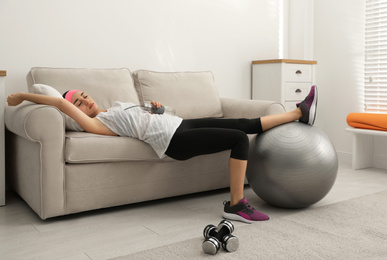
x=245, y=108
x=36, y=156
x=33, y=121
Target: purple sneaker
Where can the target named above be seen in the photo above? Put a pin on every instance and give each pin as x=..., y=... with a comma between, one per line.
x=309, y=107
x=243, y=212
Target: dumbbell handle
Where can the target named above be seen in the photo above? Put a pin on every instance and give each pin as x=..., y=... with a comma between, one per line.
x=221, y=233
x=211, y=231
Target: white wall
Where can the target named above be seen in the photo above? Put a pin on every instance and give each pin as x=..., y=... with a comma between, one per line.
x=339, y=50
x=223, y=36
x=298, y=19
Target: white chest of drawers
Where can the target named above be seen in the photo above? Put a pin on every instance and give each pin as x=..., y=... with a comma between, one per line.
x=285, y=81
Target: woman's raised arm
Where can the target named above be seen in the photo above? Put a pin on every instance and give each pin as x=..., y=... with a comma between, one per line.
x=18, y=98
x=89, y=124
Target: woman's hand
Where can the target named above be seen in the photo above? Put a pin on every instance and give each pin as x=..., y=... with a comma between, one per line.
x=15, y=99
x=156, y=104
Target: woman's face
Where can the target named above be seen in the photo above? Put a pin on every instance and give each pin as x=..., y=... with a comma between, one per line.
x=85, y=103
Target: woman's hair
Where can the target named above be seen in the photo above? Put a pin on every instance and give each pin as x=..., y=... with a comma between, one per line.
x=64, y=94
x=69, y=93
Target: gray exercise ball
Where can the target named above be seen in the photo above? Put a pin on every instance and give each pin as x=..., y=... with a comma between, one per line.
x=292, y=165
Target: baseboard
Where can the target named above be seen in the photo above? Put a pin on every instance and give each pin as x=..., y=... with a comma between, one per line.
x=344, y=157
x=379, y=160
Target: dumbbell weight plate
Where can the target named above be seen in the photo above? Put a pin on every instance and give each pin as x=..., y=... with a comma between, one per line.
x=228, y=224
x=211, y=245
x=230, y=243
x=207, y=230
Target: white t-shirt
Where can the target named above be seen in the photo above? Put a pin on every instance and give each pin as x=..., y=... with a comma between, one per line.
x=156, y=130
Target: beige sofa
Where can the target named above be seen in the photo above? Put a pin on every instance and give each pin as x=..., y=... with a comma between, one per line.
x=58, y=171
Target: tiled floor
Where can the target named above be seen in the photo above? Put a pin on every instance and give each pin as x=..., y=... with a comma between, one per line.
x=122, y=230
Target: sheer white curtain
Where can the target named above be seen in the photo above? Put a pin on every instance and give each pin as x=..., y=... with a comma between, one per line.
x=376, y=56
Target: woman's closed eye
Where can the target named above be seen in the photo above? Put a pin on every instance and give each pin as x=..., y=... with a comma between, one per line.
x=84, y=95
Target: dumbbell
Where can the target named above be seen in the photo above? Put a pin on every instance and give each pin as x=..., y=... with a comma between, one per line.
x=157, y=110
x=214, y=237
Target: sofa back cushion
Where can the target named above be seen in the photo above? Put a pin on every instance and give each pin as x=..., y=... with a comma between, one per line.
x=190, y=94
x=104, y=85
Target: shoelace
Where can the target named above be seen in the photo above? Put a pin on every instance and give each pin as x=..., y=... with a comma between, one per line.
x=248, y=209
x=309, y=99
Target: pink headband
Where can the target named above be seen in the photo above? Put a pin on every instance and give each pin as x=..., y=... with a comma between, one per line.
x=70, y=94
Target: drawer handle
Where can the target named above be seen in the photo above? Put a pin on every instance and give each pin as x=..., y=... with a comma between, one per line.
x=298, y=72
x=298, y=90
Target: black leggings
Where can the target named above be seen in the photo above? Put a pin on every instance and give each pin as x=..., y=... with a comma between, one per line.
x=211, y=135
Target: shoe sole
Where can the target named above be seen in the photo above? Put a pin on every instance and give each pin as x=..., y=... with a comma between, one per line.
x=236, y=217
x=313, y=107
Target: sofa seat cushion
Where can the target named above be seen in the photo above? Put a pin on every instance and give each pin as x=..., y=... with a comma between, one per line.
x=190, y=94
x=84, y=147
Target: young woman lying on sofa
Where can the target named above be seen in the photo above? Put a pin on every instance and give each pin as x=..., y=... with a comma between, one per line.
x=179, y=138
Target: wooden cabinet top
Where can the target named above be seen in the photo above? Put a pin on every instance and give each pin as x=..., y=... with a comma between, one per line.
x=3, y=73
x=284, y=61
